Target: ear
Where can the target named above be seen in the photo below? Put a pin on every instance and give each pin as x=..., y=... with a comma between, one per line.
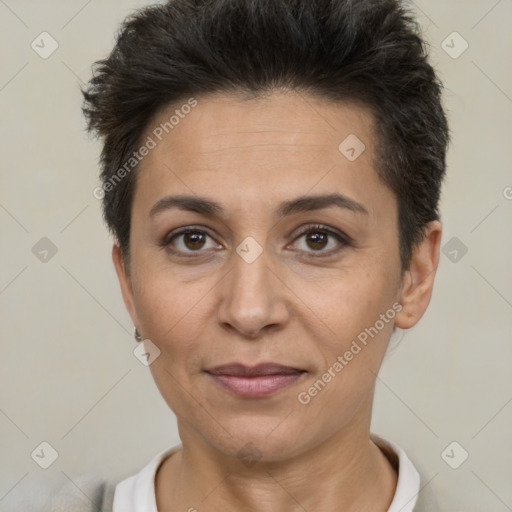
x=125, y=282
x=418, y=280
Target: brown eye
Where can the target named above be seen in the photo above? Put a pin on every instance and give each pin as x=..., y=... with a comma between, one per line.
x=188, y=241
x=194, y=240
x=317, y=238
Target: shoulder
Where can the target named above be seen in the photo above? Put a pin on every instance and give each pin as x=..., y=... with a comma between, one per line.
x=86, y=493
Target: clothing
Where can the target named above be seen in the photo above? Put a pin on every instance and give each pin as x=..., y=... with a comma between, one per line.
x=137, y=492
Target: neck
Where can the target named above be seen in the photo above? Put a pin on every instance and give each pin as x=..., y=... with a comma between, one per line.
x=346, y=472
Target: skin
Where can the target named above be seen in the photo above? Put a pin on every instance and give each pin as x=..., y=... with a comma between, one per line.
x=285, y=307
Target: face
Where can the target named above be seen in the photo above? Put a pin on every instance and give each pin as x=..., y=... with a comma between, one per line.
x=294, y=262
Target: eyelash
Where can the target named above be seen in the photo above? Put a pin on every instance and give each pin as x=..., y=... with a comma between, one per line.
x=342, y=238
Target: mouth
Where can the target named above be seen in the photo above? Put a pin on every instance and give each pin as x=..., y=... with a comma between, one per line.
x=257, y=381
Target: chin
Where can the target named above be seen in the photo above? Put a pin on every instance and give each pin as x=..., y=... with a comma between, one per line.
x=265, y=439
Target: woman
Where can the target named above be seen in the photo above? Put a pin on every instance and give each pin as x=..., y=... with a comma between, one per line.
x=271, y=171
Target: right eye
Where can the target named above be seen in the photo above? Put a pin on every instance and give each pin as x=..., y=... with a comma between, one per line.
x=187, y=240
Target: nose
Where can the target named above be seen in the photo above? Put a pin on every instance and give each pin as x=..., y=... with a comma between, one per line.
x=252, y=298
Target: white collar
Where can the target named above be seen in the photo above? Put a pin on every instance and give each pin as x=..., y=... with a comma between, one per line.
x=408, y=484
x=137, y=493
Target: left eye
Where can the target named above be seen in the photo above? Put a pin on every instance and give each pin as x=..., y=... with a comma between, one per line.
x=317, y=238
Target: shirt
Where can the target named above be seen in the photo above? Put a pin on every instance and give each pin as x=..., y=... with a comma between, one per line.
x=137, y=493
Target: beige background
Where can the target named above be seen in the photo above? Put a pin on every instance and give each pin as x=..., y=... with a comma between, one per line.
x=68, y=375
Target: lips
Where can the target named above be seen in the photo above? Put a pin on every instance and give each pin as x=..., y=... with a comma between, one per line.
x=240, y=370
x=258, y=381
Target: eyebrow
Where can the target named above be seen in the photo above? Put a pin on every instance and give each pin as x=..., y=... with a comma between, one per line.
x=301, y=204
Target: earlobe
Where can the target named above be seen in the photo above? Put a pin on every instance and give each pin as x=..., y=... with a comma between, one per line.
x=124, y=281
x=418, y=281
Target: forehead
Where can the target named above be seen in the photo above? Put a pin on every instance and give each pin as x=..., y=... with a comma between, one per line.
x=263, y=150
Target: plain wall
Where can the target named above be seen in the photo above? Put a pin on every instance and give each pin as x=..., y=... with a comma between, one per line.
x=68, y=374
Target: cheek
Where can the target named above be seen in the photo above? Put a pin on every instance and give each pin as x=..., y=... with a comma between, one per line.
x=348, y=301
x=346, y=381
x=173, y=320
x=358, y=310
x=165, y=307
